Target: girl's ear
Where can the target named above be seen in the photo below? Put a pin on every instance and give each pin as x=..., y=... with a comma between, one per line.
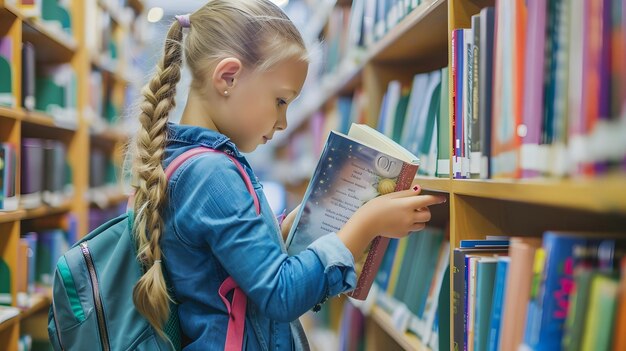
x=226, y=74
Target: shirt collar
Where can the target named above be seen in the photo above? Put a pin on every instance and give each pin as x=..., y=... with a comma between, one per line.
x=202, y=136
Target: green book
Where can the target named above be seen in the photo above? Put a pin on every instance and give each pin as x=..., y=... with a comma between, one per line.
x=6, y=83
x=598, y=332
x=485, y=276
x=5, y=283
x=576, y=314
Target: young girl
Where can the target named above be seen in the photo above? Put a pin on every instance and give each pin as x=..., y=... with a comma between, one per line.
x=248, y=62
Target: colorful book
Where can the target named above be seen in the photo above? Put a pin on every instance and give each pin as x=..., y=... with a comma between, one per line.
x=443, y=127
x=5, y=283
x=352, y=170
x=548, y=309
x=598, y=332
x=508, y=84
x=497, y=307
x=517, y=291
x=619, y=334
x=485, y=277
x=533, y=98
x=485, y=91
x=9, y=199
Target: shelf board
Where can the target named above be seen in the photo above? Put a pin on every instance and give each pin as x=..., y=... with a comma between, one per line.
x=41, y=302
x=10, y=216
x=50, y=46
x=9, y=323
x=422, y=34
x=45, y=120
x=11, y=113
x=46, y=210
x=109, y=136
x=406, y=340
x=604, y=194
x=441, y=185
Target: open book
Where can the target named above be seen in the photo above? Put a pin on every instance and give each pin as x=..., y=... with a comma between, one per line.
x=352, y=170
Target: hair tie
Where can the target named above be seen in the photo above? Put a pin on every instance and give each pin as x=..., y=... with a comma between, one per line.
x=157, y=261
x=183, y=20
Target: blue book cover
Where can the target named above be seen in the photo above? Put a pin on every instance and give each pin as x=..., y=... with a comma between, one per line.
x=479, y=243
x=499, y=287
x=351, y=170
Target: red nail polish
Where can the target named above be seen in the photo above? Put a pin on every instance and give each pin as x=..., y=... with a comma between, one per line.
x=416, y=188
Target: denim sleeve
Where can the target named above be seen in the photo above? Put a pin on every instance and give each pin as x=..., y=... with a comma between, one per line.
x=214, y=210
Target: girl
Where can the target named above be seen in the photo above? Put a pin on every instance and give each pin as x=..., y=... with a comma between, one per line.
x=248, y=62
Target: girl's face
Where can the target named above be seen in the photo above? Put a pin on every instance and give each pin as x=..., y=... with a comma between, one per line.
x=256, y=106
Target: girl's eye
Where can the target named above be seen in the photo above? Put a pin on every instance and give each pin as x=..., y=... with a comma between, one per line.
x=281, y=102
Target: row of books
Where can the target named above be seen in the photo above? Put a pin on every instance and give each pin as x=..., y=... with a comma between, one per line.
x=49, y=88
x=417, y=118
x=559, y=292
x=55, y=15
x=104, y=107
x=410, y=281
x=538, y=89
x=37, y=255
x=45, y=175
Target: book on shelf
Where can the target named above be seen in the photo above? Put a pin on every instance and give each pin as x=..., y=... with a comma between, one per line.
x=9, y=199
x=28, y=76
x=7, y=96
x=351, y=170
x=8, y=312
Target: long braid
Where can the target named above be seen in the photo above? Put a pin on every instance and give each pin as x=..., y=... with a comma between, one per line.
x=150, y=294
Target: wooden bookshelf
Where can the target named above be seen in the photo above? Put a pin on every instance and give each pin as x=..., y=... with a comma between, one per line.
x=53, y=46
x=379, y=321
x=475, y=208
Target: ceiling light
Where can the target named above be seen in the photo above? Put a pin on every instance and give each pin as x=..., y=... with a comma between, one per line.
x=280, y=3
x=155, y=14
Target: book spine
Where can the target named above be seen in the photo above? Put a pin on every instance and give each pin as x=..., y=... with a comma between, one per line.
x=458, y=283
x=379, y=244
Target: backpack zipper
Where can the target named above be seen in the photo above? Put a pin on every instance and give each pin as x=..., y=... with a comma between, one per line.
x=104, y=335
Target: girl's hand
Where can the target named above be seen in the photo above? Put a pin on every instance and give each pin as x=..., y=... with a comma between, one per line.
x=394, y=215
x=285, y=226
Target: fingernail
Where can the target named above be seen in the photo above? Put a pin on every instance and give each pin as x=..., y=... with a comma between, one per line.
x=416, y=188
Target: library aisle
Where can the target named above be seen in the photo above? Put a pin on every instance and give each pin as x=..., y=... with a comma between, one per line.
x=516, y=110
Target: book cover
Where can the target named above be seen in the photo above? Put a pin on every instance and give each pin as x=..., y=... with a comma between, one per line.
x=5, y=283
x=9, y=199
x=598, y=330
x=6, y=83
x=352, y=170
x=517, y=291
x=502, y=269
x=508, y=83
x=619, y=336
x=485, y=277
x=485, y=84
x=533, y=97
x=475, y=138
x=443, y=127
x=28, y=76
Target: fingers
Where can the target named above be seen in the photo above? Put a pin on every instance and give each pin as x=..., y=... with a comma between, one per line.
x=422, y=216
x=415, y=190
x=426, y=200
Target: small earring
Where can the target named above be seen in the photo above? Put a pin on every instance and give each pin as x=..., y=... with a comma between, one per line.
x=225, y=92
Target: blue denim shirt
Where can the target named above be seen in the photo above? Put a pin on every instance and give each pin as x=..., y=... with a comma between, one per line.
x=212, y=231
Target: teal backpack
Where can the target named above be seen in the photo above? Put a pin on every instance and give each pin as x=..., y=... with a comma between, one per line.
x=92, y=306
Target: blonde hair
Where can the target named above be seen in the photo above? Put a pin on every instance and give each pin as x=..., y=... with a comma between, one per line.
x=258, y=33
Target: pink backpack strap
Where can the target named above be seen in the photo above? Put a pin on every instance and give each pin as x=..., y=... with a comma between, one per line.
x=236, y=309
